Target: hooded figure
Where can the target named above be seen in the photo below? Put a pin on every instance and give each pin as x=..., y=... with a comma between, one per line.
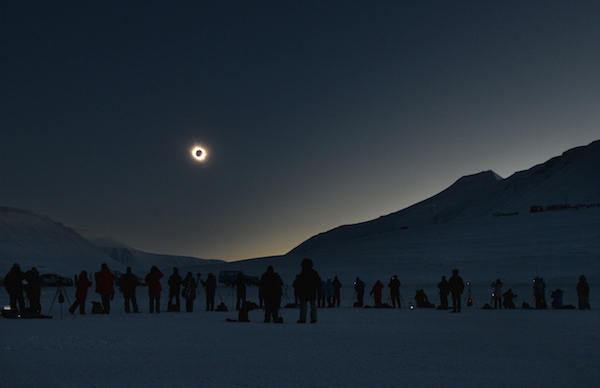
x=376, y=292
x=33, y=289
x=270, y=289
x=444, y=291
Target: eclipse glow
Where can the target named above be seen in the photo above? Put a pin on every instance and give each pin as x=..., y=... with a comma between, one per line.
x=198, y=153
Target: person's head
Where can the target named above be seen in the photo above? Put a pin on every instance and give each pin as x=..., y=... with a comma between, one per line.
x=454, y=272
x=16, y=267
x=154, y=269
x=104, y=266
x=443, y=278
x=189, y=274
x=270, y=269
x=33, y=269
x=83, y=274
x=306, y=264
x=128, y=270
x=582, y=278
x=175, y=270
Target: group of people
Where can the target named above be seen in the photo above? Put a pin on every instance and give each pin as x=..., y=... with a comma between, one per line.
x=309, y=290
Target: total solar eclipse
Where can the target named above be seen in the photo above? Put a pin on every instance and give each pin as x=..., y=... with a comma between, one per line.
x=198, y=153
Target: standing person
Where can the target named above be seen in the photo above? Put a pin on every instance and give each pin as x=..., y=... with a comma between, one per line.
x=13, y=282
x=189, y=292
x=240, y=288
x=270, y=288
x=329, y=293
x=127, y=285
x=154, y=288
x=308, y=283
x=322, y=294
x=456, y=286
x=296, y=294
x=106, y=287
x=34, y=289
x=583, y=293
x=497, y=295
x=336, y=291
x=539, y=291
x=83, y=283
x=210, y=286
x=395, y=291
x=175, y=282
x=359, y=286
x=444, y=291
x=376, y=292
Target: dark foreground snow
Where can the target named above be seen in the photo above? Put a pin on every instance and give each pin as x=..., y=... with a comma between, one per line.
x=348, y=347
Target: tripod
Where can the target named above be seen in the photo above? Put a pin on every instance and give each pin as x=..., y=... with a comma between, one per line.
x=400, y=302
x=286, y=296
x=60, y=289
x=470, y=299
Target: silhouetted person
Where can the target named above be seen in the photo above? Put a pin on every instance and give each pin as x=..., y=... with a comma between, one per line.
x=539, y=291
x=34, y=289
x=189, y=292
x=308, y=283
x=359, y=286
x=240, y=288
x=444, y=288
x=270, y=289
x=508, y=299
x=497, y=294
x=106, y=287
x=296, y=295
x=321, y=295
x=557, y=298
x=128, y=284
x=422, y=299
x=154, y=288
x=337, y=285
x=13, y=282
x=456, y=287
x=210, y=287
x=394, y=286
x=175, y=282
x=83, y=283
x=329, y=293
x=376, y=291
x=583, y=293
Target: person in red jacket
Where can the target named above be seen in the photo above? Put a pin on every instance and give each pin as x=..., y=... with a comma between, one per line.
x=83, y=283
x=105, y=286
x=154, y=288
x=376, y=292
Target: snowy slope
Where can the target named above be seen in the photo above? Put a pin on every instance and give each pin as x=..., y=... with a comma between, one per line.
x=139, y=261
x=35, y=241
x=573, y=178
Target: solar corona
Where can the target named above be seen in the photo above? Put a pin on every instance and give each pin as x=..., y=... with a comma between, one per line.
x=199, y=153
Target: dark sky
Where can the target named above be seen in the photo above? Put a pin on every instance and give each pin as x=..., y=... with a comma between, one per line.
x=313, y=114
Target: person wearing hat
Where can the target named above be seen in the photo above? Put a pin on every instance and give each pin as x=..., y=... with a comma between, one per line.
x=106, y=287
x=13, y=282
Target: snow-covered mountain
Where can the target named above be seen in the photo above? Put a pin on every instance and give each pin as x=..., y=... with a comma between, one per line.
x=571, y=180
x=37, y=241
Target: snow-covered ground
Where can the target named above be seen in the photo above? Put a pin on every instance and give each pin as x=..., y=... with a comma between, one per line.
x=348, y=347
